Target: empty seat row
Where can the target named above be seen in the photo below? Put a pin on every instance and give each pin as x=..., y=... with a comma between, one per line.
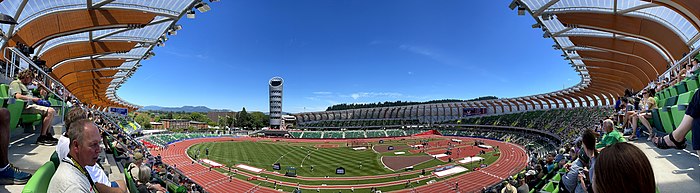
x=673, y=102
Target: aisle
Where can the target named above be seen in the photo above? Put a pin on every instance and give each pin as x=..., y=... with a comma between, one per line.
x=666, y=168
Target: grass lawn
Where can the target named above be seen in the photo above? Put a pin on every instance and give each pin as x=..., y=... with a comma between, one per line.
x=302, y=157
x=324, y=160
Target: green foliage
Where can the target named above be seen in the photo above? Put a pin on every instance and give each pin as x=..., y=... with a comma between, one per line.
x=198, y=117
x=222, y=122
x=226, y=121
x=176, y=130
x=244, y=120
x=143, y=118
x=259, y=120
x=400, y=103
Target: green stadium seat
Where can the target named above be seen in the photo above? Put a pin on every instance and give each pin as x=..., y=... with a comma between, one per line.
x=662, y=94
x=131, y=183
x=678, y=110
x=15, y=108
x=656, y=120
x=657, y=95
x=556, y=178
x=690, y=97
x=55, y=160
x=681, y=87
x=672, y=90
x=550, y=187
x=354, y=134
x=659, y=101
x=665, y=114
x=667, y=93
x=33, y=119
x=16, y=115
x=175, y=188
x=692, y=82
x=295, y=134
x=39, y=183
x=556, y=190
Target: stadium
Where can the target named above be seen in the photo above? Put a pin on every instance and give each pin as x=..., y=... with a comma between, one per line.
x=625, y=125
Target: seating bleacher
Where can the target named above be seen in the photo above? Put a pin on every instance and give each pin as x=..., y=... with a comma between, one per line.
x=558, y=121
x=395, y=133
x=673, y=101
x=354, y=134
x=312, y=134
x=375, y=133
x=413, y=132
x=332, y=134
x=296, y=134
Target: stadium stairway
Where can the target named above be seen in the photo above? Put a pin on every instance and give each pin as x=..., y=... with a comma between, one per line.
x=674, y=170
x=27, y=156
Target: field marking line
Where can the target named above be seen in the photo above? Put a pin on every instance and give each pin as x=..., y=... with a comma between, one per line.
x=278, y=159
x=307, y=155
x=375, y=151
x=387, y=167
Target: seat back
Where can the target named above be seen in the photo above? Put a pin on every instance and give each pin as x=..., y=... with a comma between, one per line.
x=656, y=119
x=681, y=87
x=684, y=98
x=672, y=90
x=39, y=183
x=692, y=82
x=659, y=102
x=4, y=91
x=671, y=101
x=130, y=181
x=55, y=160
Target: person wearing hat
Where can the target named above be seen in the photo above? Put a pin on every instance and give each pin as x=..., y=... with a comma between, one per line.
x=508, y=188
x=135, y=166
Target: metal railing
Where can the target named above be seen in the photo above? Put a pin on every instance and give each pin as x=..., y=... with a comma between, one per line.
x=14, y=64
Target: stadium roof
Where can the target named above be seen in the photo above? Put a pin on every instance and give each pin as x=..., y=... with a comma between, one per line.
x=94, y=46
x=614, y=45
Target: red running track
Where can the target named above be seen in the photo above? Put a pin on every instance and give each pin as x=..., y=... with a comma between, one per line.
x=512, y=160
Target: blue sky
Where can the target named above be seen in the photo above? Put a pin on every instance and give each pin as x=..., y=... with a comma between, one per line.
x=349, y=51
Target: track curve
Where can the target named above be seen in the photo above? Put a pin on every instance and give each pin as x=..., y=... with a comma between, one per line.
x=512, y=160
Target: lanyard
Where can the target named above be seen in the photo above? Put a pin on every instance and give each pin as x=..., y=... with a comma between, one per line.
x=83, y=171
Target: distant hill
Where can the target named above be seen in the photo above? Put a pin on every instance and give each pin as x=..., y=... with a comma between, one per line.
x=188, y=109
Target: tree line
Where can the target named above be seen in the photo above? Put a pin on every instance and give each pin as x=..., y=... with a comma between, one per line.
x=345, y=106
x=241, y=119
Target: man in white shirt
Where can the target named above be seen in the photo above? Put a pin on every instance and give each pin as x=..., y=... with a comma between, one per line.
x=71, y=176
x=96, y=172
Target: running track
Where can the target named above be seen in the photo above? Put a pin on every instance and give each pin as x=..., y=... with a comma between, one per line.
x=512, y=160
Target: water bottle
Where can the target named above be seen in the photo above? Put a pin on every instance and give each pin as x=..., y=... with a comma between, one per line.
x=11, y=100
